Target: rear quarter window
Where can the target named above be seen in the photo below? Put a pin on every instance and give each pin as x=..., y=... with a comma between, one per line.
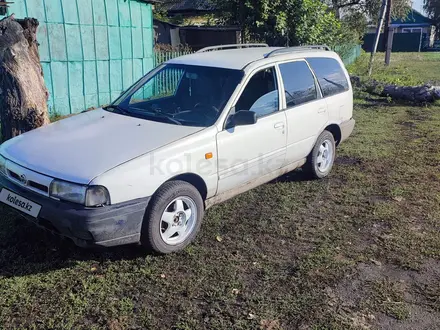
x=331, y=76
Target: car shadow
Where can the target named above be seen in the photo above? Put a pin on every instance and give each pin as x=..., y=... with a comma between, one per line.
x=297, y=175
x=26, y=249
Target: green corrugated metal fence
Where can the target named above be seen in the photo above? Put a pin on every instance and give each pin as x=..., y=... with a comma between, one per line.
x=348, y=53
x=402, y=42
x=90, y=50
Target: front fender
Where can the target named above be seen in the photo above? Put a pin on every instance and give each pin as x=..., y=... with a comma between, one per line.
x=142, y=176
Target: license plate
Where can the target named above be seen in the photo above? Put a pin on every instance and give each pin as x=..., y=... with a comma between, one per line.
x=20, y=203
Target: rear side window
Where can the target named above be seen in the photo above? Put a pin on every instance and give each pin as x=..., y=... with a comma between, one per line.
x=299, y=83
x=330, y=75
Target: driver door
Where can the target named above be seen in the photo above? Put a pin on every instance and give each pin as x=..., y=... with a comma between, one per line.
x=245, y=153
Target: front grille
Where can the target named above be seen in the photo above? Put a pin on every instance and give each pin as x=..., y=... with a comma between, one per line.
x=38, y=186
x=14, y=175
x=29, y=183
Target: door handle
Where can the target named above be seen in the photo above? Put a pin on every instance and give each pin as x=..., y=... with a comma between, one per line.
x=279, y=126
x=322, y=109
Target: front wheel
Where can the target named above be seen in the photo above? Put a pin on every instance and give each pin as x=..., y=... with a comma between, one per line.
x=173, y=217
x=320, y=161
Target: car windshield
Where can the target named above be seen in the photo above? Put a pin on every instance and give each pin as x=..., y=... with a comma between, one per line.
x=180, y=94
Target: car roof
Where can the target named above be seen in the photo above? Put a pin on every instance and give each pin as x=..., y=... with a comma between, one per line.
x=239, y=59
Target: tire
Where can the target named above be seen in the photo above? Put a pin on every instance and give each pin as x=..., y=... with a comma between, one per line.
x=166, y=215
x=316, y=166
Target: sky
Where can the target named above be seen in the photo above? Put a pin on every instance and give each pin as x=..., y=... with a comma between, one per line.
x=418, y=5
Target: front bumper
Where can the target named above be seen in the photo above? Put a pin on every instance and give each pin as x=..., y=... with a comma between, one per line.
x=111, y=225
x=347, y=128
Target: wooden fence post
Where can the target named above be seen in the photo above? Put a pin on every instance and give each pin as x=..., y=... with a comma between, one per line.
x=376, y=39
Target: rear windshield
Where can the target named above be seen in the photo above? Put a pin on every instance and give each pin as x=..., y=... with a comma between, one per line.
x=331, y=76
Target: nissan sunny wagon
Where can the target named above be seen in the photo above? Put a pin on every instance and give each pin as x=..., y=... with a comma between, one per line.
x=193, y=132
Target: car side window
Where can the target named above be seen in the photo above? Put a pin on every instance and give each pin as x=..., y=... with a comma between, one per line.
x=260, y=94
x=330, y=75
x=299, y=83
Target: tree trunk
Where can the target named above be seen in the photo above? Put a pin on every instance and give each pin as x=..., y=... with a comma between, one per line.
x=417, y=94
x=23, y=94
x=386, y=40
x=336, y=9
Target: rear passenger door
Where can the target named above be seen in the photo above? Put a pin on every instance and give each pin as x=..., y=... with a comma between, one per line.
x=305, y=109
x=332, y=77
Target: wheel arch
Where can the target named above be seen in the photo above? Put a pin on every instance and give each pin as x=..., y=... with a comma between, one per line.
x=336, y=132
x=195, y=180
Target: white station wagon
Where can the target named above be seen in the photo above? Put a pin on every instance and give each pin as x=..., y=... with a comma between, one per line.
x=195, y=131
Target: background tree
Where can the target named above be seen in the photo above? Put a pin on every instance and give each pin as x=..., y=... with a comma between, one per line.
x=356, y=13
x=369, y=8
x=355, y=23
x=432, y=7
x=282, y=22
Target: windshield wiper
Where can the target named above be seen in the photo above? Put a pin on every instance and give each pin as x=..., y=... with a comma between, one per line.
x=162, y=115
x=139, y=114
x=118, y=108
x=142, y=112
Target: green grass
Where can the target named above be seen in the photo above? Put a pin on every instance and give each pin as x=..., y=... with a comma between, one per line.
x=407, y=69
x=388, y=297
x=360, y=249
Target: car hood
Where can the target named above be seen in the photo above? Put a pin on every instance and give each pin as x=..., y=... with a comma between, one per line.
x=82, y=147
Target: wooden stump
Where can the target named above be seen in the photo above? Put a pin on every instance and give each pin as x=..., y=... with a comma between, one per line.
x=416, y=94
x=23, y=94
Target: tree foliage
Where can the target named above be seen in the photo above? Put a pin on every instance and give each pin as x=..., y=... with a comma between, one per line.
x=355, y=14
x=282, y=22
x=369, y=8
x=354, y=24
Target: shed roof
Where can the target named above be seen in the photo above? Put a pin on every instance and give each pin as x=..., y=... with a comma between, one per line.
x=176, y=6
x=413, y=18
x=150, y=1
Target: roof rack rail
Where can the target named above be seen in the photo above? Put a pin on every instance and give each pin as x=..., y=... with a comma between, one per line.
x=296, y=49
x=236, y=46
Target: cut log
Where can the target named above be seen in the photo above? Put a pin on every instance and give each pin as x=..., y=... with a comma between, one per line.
x=23, y=94
x=416, y=94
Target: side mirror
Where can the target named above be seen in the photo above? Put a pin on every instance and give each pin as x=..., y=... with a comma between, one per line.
x=244, y=117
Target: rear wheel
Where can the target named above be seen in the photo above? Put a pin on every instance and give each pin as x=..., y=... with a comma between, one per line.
x=173, y=217
x=320, y=161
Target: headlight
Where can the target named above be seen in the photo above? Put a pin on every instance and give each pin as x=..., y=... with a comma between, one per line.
x=68, y=191
x=97, y=195
x=2, y=165
x=80, y=194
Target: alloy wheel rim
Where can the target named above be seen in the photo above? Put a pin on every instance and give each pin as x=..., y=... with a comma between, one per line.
x=325, y=156
x=178, y=220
